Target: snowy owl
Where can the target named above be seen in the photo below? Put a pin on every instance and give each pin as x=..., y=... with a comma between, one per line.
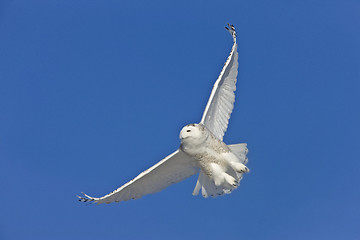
x=201, y=150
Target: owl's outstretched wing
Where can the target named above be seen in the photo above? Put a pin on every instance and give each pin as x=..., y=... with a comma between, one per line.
x=221, y=102
x=172, y=169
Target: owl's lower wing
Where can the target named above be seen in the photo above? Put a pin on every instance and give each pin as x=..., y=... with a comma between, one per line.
x=172, y=169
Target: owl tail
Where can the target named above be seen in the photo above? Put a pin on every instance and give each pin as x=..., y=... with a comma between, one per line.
x=207, y=187
x=231, y=180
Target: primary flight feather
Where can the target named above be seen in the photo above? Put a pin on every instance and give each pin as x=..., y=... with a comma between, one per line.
x=202, y=150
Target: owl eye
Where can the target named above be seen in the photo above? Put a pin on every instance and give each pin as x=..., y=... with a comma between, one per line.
x=188, y=130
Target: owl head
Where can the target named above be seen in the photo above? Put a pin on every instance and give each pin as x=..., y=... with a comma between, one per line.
x=193, y=134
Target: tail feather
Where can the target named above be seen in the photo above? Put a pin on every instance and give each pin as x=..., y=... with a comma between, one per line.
x=197, y=186
x=207, y=187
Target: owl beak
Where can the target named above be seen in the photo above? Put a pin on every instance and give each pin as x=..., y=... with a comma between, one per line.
x=182, y=136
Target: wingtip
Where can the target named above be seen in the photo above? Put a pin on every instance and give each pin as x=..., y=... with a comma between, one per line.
x=86, y=198
x=231, y=29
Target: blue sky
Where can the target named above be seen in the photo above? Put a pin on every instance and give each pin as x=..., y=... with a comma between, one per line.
x=94, y=92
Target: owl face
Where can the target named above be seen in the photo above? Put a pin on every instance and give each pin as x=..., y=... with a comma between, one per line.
x=193, y=134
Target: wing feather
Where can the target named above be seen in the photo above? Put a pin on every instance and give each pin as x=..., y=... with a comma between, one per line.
x=221, y=102
x=172, y=169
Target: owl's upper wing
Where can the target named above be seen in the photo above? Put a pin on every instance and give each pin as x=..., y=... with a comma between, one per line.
x=172, y=169
x=221, y=102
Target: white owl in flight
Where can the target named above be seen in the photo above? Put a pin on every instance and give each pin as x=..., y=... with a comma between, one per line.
x=202, y=150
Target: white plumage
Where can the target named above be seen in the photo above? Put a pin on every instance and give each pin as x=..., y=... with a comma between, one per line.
x=202, y=150
x=221, y=102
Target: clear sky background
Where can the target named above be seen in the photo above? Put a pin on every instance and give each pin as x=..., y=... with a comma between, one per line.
x=94, y=92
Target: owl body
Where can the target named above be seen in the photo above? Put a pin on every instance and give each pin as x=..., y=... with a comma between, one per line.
x=220, y=166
